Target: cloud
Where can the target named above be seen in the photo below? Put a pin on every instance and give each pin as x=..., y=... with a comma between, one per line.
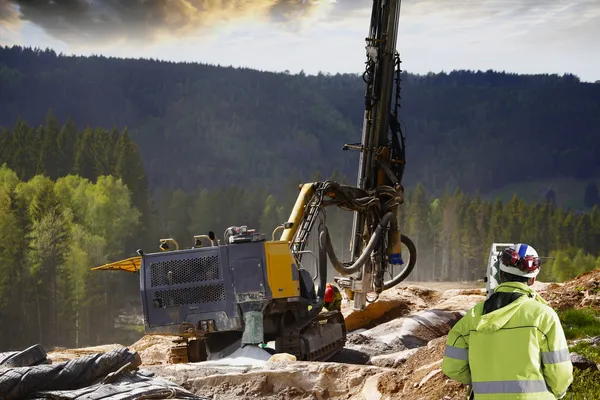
x=138, y=22
x=8, y=14
x=142, y=21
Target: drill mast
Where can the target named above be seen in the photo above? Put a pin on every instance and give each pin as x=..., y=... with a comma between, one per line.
x=382, y=156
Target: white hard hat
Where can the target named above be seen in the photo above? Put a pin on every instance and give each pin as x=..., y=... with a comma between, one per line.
x=521, y=260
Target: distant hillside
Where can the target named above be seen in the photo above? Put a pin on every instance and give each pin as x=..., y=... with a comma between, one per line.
x=206, y=126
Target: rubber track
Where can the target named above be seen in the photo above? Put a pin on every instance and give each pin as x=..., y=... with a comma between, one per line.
x=17, y=383
x=294, y=333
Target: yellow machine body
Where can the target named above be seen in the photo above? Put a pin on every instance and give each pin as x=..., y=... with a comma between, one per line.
x=282, y=271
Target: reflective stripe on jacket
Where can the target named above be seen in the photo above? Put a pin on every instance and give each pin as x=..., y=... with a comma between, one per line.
x=517, y=351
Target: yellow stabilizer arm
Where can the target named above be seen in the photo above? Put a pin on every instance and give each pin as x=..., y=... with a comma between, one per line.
x=306, y=193
x=128, y=265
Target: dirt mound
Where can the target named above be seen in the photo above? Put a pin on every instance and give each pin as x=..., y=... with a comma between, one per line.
x=154, y=349
x=583, y=291
x=421, y=377
x=394, y=303
x=391, y=304
x=287, y=380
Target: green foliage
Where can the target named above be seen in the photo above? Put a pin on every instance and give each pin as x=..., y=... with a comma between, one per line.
x=569, y=263
x=578, y=323
x=53, y=233
x=585, y=386
x=56, y=151
x=587, y=350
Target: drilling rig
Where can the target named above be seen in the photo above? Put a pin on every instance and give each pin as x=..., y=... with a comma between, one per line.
x=219, y=297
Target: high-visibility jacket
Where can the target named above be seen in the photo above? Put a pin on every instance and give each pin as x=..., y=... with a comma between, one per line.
x=511, y=346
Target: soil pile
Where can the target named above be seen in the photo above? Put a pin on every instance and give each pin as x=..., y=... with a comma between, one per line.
x=154, y=349
x=394, y=303
x=419, y=378
x=581, y=292
x=280, y=380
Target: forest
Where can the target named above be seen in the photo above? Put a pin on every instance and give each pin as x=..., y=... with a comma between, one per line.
x=207, y=126
x=74, y=198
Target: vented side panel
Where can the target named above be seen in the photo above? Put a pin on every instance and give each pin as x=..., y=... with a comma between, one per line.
x=188, y=270
x=191, y=295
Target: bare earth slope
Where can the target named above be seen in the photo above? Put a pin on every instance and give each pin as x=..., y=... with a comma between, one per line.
x=394, y=350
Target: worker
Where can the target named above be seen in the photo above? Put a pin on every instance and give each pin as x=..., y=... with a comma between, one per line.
x=332, y=300
x=511, y=346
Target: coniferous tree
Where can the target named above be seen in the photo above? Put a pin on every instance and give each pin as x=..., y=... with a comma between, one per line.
x=66, y=143
x=85, y=158
x=47, y=164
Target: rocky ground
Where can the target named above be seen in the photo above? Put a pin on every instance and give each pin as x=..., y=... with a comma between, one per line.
x=394, y=350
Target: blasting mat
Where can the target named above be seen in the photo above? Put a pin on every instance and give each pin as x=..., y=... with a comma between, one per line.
x=112, y=375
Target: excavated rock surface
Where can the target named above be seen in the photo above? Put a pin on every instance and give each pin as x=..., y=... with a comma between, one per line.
x=401, y=337
x=387, y=344
x=394, y=303
x=394, y=350
x=404, y=352
x=581, y=292
x=282, y=380
x=421, y=377
x=154, y=349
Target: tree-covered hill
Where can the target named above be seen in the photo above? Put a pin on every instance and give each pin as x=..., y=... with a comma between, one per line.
x=208, y=126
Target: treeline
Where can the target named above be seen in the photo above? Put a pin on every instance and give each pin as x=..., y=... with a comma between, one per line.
x=56, y=150
x=214, y=127
x=453, y=234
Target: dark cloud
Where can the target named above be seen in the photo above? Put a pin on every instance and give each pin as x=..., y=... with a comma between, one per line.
x=143, y=20
x=139, y=21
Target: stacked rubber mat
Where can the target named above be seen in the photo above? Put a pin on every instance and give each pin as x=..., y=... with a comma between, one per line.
x=114, y=375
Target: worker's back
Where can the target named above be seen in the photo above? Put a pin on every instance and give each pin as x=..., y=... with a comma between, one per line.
x=511, y=346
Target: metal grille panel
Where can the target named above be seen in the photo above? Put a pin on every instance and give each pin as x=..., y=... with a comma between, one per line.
x=189, y=270
x=191, y=295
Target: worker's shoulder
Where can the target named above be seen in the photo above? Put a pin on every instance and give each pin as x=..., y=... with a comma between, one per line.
x=542, y=311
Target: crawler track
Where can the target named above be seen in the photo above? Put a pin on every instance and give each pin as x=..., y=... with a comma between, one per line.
x=296, y=338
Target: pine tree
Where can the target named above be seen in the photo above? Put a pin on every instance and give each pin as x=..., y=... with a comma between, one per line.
x=66, y=143
x=130, y=169
x=418, y=228
x=85, y=158
x=103, y=151
x=22, y=159
x=47, y=163
x=6, y=146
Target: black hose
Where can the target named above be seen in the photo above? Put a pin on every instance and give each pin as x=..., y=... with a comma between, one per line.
x=322, y=266
x=412, y=250
x=322, y=263
x=342, y=269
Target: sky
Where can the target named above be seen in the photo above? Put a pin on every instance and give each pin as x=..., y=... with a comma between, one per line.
x=522, y=36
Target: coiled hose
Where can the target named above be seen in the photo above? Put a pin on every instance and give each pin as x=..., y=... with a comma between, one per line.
x=357, y=265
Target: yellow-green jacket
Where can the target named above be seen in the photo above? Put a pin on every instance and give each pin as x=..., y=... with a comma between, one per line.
x=510, y=347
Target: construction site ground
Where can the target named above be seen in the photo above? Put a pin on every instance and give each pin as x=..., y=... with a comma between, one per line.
x=394, y=350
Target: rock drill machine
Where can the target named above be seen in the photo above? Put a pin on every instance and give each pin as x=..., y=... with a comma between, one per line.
x=219, y=297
